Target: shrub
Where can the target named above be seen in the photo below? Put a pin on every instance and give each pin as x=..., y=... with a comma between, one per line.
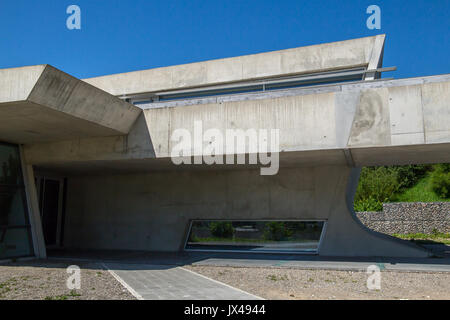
x=369, y=204
x=193, y=238
x=276, y=230
x=409, y=175
x=378, y=183
x=440, y=180
x=221, y=229
x=384, y=184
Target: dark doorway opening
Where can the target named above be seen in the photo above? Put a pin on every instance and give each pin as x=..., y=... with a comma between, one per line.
x=51, y=192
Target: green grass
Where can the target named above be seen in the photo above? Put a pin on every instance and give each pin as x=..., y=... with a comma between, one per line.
x=420, y=192
x=217, y=239
x=72, y=293
x=62, y=297
x=240, y=240
x=435, y=237
x=275, y=278
x=6, y=286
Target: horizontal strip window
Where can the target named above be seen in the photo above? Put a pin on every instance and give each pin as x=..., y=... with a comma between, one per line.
x=356, y=74
x=261, y=87
x=275, y=236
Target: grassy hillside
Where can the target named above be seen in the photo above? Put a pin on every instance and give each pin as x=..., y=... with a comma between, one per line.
x=420, y=192
x=412, y=183
x=429, y=183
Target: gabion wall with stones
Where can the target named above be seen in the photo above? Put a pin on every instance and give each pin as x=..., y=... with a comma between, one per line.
x=409, y=217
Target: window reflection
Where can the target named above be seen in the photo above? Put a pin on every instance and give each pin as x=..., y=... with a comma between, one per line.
x=10, y=172
x=257, y=236
x=15, y=240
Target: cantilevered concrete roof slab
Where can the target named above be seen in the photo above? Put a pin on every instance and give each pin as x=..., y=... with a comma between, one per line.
x=364, y=52
x=384, y=122
x=43, y=104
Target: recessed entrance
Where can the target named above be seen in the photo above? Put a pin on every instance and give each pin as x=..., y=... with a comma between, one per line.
x=51, y=190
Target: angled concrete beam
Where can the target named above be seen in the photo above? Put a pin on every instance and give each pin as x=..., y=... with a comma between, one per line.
x=34, y=215
x=376, y=58
x=41, y=103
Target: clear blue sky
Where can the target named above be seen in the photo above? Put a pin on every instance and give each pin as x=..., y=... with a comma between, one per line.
x=127, y=35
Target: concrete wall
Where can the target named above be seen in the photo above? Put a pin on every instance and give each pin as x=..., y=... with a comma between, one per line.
x=409, y=217
x=363, y=52
x=152, y=211
x=374, y=122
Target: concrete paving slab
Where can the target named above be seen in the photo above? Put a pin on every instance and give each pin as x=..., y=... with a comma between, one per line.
x=165, y=282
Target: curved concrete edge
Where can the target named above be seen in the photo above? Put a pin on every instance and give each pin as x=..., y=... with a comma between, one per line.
x=318, y=193
x=355, y=239
x=347, y=236
x=351, y=190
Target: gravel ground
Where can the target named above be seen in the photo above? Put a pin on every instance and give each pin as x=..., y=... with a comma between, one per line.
x=283, y=283
x=46, y=280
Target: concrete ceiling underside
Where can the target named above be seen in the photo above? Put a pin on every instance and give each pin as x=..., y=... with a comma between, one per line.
x=43, y=104
x=357, y=157
x=27, y=122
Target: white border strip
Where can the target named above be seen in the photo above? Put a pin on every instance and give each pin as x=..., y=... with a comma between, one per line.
x=123, y=283
x=224, y=284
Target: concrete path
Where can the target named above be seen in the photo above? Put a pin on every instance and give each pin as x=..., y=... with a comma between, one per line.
x=164, y=282
x=441, y=264
x=259, y=260
x=418, y=266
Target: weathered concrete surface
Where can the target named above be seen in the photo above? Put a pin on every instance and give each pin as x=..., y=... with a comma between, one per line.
x=16, y=83
x=383, y=122
x=322, y=135
x=364, y=52
x=325, y=132
x=41, y=103
x=152, y=211
x=376, y=58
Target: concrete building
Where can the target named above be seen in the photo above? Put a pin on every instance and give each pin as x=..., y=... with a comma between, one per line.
x=88, y=163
